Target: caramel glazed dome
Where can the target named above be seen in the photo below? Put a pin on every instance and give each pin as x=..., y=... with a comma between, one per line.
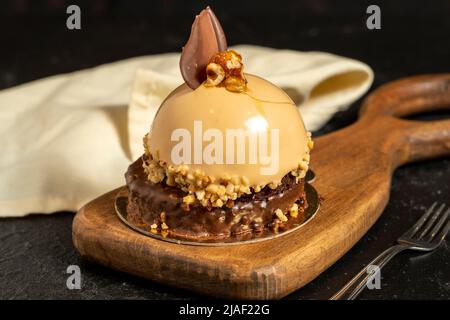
x=225, y=159
x=198, y=201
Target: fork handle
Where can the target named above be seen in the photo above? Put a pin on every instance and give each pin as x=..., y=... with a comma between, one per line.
x=357, y=284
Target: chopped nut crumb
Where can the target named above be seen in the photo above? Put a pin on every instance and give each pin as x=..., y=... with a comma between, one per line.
x=293, y=211
x=200, y=194
x=207, y=190
x=281, y=215
x=189, y=199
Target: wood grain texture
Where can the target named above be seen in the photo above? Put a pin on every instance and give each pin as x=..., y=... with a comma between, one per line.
x=353, y=167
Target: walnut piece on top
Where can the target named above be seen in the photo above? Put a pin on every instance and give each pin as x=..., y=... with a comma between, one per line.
x=226, y=69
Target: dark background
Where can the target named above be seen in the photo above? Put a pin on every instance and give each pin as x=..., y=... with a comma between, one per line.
x=415, y=39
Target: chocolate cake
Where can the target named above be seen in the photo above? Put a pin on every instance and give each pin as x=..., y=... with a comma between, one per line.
x=162, y=205
x=226, y=154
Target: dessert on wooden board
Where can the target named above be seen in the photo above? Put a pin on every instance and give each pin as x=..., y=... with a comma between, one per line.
x=227, y=152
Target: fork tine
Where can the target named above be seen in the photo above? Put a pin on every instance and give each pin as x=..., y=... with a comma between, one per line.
x=431, y=220
x=443, y=233
x=411, y=232
x=439, y=224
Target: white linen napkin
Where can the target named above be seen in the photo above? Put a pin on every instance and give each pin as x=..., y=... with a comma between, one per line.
x=69, y=138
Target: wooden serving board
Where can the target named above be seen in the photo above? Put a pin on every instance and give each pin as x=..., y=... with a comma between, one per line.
x=353, y=167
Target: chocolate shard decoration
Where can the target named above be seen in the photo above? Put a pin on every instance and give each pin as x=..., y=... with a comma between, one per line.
x=206, y=39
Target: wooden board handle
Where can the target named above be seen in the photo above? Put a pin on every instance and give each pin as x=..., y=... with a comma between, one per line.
x=411, y=140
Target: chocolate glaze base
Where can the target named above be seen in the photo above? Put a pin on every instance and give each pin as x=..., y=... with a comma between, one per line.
x=150, y=203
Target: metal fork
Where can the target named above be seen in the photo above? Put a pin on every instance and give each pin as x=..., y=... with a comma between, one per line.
x=426, y=234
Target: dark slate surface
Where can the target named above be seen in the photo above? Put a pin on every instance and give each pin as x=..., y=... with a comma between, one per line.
x=35, y=251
